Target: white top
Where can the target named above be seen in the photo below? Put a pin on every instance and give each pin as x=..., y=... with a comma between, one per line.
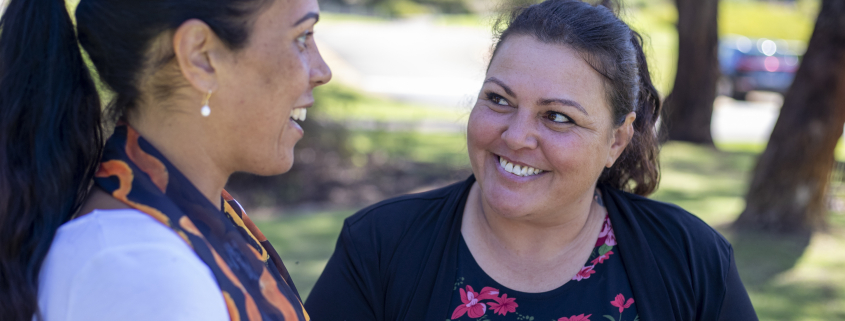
x=124, y=265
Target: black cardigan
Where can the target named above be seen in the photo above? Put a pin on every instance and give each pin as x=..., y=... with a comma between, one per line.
x=396, y=260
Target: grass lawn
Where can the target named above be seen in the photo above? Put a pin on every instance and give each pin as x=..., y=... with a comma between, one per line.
x=341, y=103
x=788, y=279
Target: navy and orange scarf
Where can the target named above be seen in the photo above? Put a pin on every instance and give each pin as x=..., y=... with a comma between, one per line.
x=254, y=282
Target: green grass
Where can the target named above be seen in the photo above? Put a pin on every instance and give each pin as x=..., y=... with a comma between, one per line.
x=340, y=103
x=787, y=278
x=305, y=243
x=756, y=148
x=446, y=149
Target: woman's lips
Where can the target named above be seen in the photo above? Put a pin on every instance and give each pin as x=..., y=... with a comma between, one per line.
x=517, y=169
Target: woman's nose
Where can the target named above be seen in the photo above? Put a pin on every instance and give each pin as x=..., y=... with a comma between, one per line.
x=320, y=71
x=521, y=132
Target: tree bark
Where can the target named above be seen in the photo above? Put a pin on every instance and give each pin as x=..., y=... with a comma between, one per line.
x=787, y=192
x=690, y=106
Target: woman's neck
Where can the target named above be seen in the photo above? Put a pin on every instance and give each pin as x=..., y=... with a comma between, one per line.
x=539, y=236
x=184, y=142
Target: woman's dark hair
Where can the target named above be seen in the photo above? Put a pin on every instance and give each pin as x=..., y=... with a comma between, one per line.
x=614, y=51
x=50, y=125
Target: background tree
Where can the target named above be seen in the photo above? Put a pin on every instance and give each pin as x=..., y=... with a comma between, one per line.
x=787, y=192
x=689, y=107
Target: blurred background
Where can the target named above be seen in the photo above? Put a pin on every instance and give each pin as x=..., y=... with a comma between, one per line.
x=406, y=74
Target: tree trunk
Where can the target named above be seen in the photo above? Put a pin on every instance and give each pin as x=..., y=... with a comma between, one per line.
x=690, y=106
x=787, y=192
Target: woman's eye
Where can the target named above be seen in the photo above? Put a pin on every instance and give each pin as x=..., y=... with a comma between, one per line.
x=303, y=39
x=558, y=118
x=498, y=100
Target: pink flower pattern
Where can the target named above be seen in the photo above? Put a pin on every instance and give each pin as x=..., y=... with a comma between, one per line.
x=584, y=273
x=579, y=317
x=503, y=305
x=473, y=307
x=620, y=302
x=601, y=258
x=606, y=237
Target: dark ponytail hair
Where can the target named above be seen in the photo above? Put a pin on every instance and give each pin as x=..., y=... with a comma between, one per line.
x=616, y=52
x=50, y=113
x=50, y=139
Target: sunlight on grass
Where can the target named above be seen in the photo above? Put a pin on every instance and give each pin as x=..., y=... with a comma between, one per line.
x=446, y=148
x=704, y=181
x=340, y=103
x=756, y=148
x=811, y=288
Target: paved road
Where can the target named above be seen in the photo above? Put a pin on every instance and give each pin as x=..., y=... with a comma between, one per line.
x=421, y=61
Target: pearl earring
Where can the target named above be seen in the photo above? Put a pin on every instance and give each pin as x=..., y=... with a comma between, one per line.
x=205, y=111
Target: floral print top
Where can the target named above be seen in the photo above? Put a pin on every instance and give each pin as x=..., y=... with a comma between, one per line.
x=600, y=291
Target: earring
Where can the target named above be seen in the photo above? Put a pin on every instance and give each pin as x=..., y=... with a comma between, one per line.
x=205, y=111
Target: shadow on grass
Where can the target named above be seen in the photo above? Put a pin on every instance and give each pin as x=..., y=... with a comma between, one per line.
x=760, y=256
x=768, y=264
x=799, y=302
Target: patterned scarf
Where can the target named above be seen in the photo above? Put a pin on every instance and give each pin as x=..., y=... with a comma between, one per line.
x=252, y=277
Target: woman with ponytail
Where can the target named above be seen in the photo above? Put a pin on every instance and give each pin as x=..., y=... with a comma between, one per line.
x=554, y=223
x=138, y=227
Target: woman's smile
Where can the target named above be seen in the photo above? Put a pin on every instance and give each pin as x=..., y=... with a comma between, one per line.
x=516, y=170
x=298, y=114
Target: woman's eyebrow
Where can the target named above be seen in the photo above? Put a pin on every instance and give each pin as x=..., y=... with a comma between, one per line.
x=310, y=15
x=565, y=102
x=501, y=84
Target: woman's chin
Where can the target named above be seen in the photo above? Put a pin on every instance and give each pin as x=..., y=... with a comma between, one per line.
x=506, y=203
x=277, y=167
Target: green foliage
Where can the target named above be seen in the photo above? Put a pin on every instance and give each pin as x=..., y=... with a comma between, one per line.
x=604, y=249
x=401, y=8
x=761, y=19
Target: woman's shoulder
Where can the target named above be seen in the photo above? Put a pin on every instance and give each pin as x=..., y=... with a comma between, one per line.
x=127, y=261
x=667, y=218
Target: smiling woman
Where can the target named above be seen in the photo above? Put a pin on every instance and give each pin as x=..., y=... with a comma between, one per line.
x=553, y=223
x=141, y=229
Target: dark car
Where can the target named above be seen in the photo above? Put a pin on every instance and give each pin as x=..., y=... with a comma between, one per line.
x=757, y=64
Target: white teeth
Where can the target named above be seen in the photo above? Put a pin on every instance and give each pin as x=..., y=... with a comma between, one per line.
x=298, y=114
x=518, y=169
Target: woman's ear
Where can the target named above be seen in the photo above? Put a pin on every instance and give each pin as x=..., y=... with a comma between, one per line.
x=620, y=138
x=195, y=45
